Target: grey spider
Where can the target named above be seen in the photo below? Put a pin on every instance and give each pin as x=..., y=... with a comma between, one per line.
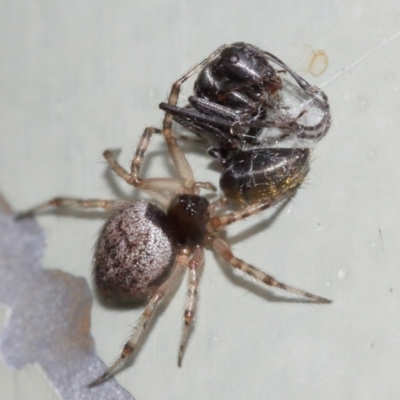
x=144, y=249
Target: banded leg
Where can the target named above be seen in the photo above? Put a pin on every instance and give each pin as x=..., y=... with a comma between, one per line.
x=311, y=90
x=137, y=163
x=195, y=265
x=132, y=178
x=317, y=131
x=178, y=157
x=68, y=202
x=219, y=222
x=181, y=263
x=139, y=154
x=316, y=95
x=225, y=252
x=155, y=187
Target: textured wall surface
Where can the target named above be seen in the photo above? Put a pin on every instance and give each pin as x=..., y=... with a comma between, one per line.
x=79, y=77
x=49, y=317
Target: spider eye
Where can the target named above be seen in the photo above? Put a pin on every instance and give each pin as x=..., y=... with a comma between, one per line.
x=234, y=58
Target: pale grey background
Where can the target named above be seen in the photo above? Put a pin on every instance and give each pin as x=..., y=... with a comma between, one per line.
x=48, y=317
x=81, y=76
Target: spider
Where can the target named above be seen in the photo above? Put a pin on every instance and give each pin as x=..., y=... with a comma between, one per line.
x=144, y=249
x=235, y=88
x=237, y=95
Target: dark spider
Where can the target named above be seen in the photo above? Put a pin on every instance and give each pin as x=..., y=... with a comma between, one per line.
x=237, y=96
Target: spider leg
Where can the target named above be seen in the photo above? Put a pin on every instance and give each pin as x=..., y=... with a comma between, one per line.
x=318, y=131
x=218, y=222
x=180, y=136
x=177, y=155
x=307, y=87
x=68, y=202
x=149, y=184
x=194, y=266
x=191, y=116
x=132, y=178
x=186, y=138
x=181, y=262
x=221, y=202
x=223, y=249
x=139, y=154
x=315, y=93
x=155, y=187
x=211, y=129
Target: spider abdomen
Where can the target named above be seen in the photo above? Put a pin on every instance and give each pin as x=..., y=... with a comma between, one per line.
x=134, y=253
x=251, y=176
